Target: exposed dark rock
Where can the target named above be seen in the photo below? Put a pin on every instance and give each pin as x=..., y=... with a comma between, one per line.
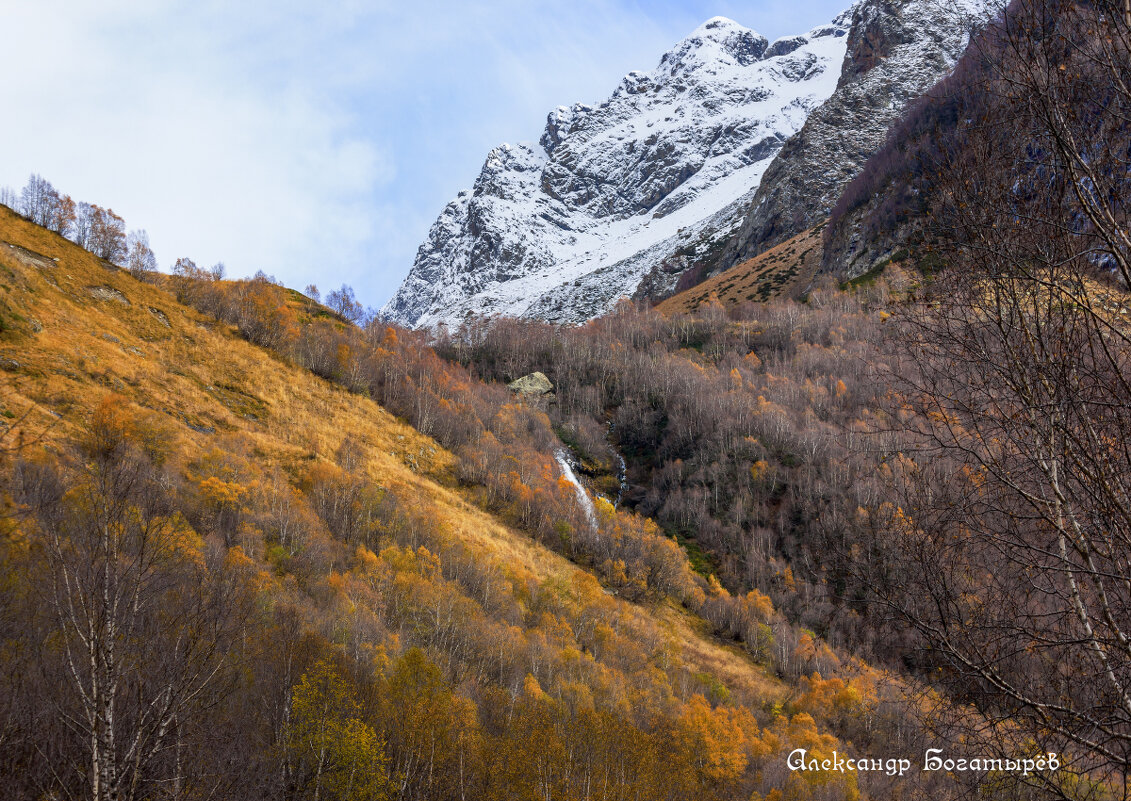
x=897, y=49
x=108, y=293
x=160, y=315
x=783, y=47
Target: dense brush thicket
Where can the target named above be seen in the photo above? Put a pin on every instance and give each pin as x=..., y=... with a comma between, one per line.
x=736, y=429
x=710, y=433
x=742, y=437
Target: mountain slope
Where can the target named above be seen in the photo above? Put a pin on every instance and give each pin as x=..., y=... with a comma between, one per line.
x=784, y=270
x=562, y=228
x=258, y=456
x=897, y=50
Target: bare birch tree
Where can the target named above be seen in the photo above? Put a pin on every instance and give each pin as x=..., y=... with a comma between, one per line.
x=140, y=611
x=1007, y=545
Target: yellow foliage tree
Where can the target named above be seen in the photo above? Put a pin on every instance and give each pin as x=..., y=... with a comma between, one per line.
x=338, y=754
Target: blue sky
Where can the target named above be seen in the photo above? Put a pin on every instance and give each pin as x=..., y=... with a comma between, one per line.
x=314, y=141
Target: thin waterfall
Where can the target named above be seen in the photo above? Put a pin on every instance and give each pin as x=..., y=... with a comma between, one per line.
x=582, y=496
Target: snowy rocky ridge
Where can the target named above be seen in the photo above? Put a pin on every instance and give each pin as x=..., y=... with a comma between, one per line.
x=610, y=189
x=623, y=197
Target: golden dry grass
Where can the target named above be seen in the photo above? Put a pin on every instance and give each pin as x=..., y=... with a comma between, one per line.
x=77, y=328
x=725, y=661
x=784, y=270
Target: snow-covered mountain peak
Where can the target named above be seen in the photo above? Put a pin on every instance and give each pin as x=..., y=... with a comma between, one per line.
x=719, y=41
x=640, y=184
x=719, y=27
x=614, y=181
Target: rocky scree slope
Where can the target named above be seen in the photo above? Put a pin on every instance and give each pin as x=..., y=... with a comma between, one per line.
x=656, y=174
x=897, y=50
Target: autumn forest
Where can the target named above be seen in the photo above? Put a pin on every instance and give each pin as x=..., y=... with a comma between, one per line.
x=257, y=544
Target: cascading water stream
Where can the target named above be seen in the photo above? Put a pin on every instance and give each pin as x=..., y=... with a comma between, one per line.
x=622, y=468
x=582, y=496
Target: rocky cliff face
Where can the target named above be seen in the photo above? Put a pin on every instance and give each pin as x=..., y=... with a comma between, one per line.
x=896, y=50
x=658, y=173
x=682, y=168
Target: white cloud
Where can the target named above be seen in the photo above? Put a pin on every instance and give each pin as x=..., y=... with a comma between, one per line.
x=313, y=141
x=221, y=159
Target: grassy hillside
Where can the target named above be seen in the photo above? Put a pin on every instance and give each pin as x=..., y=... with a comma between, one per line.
x=782, y=271
x=414, y=585
x=76, y=328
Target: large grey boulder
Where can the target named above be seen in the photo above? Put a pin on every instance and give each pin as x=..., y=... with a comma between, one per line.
x=533, y=385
